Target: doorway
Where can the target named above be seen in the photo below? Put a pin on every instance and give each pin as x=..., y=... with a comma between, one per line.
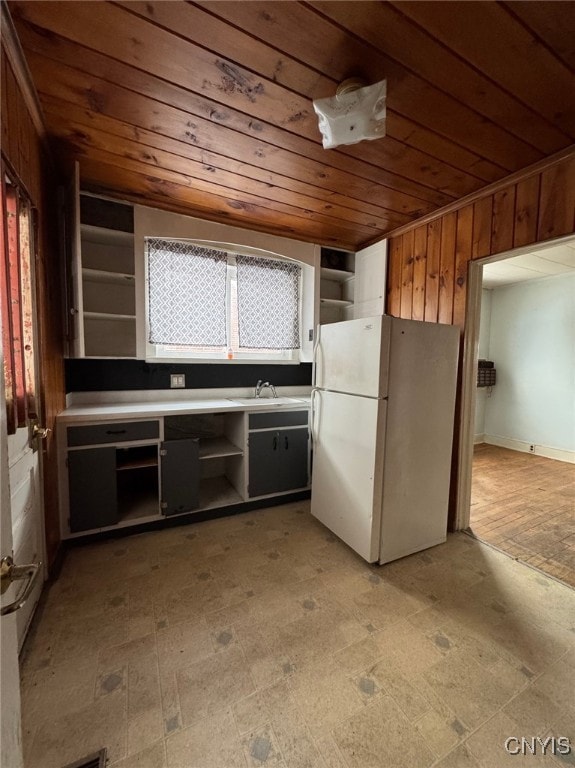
x=521, y=443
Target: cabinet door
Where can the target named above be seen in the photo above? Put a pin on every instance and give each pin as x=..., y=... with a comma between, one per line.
x=264, y=452
x=180, y=472
x=92, y=484
x=293, y=459
x=75, y=313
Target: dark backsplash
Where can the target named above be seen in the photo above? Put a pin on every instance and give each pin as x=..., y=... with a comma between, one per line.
x=108, y=375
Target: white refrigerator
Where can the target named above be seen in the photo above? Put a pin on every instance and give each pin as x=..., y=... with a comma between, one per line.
x=383, y=407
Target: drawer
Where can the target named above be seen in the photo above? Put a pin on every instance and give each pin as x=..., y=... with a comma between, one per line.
x=113, y=432
x=275, y=419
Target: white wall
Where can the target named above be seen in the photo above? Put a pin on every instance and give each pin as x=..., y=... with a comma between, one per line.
x=532, y=342
x=483, y=353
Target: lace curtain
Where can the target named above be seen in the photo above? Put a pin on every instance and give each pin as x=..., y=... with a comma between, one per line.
x=187, y=294
x=268, y=303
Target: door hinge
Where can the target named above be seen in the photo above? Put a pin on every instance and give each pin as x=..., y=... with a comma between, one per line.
x=163, y=505
x=163, y=452
x=66, y=461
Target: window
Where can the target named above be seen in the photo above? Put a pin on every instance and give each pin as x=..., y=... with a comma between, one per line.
x=214, y=304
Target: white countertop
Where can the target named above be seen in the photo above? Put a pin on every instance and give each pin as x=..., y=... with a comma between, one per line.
x=156, y=409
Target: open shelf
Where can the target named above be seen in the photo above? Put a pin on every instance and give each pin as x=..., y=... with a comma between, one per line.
x=107, y=316
x=137, y=457
x=217, y=492
x=104, y=235
x=215, y=447
x=107, y=276
x=138, y=497
x=336, y=303
x=338, y=275
x=138, y=464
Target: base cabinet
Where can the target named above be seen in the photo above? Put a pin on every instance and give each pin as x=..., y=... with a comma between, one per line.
x=278, y=461
x=180, y=472
x=132, y=472
x=278, y=450
x=92, y=487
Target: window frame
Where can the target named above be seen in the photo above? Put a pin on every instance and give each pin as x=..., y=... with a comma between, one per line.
x=157, y=353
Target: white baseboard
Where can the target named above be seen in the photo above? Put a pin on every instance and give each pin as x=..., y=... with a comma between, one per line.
x=538, y=450
x=479, y=439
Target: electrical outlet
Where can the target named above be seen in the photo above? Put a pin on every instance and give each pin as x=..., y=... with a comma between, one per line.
x=177, y=380
x=531, y=449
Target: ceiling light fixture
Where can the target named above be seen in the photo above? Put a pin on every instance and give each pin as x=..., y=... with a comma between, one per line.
x=356, y=112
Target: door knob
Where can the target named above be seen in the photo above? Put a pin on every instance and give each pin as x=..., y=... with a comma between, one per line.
x=41, y=432
x=9, y=573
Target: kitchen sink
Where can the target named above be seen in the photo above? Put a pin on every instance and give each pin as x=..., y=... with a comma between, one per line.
x=265, y=402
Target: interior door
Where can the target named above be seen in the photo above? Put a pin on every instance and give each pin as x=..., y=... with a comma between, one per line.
x=19, y=332
x=10, y=732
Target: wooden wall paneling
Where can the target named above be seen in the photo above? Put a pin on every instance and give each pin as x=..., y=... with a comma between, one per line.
x=526, y=211
x=419, y=272
x=144, y=188
x=463, y=250
x=394, y=277
x=557, y=201
x=315, y=38
x=540, y=80
x=114, y=150
x=284, y=214
x=553, y=22
x=139, y=111
x=74, y=127
x=4, y=100
x=256, y=55
x=223, y=82
x=433, y=263
x=503, y=223
x=52, y=390
x=447, y=268
x=411, y=45
x=482, y=221
x=445, y=114
x=406, y=307
x=11, y=149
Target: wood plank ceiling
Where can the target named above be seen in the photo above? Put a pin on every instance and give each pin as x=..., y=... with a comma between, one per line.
x=206, y=108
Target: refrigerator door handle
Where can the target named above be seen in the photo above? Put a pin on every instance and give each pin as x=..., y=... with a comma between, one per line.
x=313, y=412
x=316, y=351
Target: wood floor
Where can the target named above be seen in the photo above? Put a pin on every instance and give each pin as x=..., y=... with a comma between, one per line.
x=525, y=505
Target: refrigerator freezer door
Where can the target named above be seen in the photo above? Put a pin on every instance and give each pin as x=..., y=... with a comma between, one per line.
x=353, y=356
x=348, y=468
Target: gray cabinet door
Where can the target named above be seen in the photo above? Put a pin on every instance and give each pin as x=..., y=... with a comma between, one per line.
x=293, y=458
x=278, y=461
x=264, y=451
x=180, y=472
x=92, y=484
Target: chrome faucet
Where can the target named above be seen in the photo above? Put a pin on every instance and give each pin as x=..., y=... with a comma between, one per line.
x=263, y=385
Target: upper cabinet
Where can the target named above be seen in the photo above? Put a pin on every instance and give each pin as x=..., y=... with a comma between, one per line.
x=337, y=285
x=103, y=304
x=370, y=280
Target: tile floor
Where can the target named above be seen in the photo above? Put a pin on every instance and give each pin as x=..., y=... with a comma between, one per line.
x=262, y=640
x=525, y=505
